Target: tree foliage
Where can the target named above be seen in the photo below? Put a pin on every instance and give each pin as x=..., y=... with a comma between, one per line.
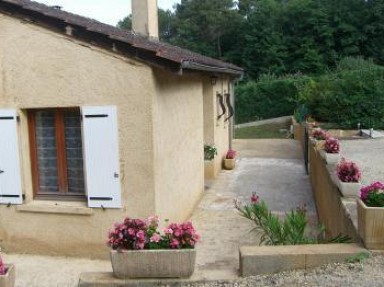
x=277, y=36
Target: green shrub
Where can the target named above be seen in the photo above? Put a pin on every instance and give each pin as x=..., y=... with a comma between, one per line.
x=292, y=230
x=347, y=97
x=266, y=98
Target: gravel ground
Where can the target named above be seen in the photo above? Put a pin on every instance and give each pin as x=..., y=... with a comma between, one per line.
x=369, y=155
x=367, y=273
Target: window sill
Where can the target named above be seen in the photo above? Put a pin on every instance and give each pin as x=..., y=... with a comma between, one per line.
x=52, y=207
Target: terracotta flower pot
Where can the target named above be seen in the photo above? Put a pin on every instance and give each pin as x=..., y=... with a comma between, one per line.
x=164, y=263
x=8, y=280
x=229, y=163
x=371, y=225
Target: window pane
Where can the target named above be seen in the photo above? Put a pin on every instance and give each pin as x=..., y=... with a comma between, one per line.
x=74, y=151
x=46, y=151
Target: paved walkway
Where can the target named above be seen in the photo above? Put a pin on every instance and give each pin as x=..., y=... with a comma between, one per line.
x=271, y=168
x=274, y=170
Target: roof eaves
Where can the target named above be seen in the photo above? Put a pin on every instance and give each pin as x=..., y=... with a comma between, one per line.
x=191, y=65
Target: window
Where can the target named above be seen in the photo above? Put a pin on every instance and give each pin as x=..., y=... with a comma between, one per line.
x=56, y=153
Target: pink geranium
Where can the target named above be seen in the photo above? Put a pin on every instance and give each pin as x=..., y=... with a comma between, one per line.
x=373, y=195
x=231, y=154
x=332, y=145
x=137, y=234
x=319, y=134
x=3, y=270
x=348, y=171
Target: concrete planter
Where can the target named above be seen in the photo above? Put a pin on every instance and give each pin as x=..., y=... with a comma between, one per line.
x=330, y=158
x=371, y=225
x=229, y=163
x=165, y=263
x=347, y=189
x=8, y=280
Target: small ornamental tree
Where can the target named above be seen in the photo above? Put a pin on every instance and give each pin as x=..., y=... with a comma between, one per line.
x=332, y=145
x=348, y=171
x=373, y=194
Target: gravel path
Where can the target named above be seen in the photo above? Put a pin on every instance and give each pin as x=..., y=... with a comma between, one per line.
x=369, y=155
x=368, y=273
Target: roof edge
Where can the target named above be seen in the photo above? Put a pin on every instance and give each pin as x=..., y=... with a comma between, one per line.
x=190, y=65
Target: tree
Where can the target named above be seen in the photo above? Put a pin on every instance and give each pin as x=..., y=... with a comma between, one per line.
x=205, y=25
x=166, y=24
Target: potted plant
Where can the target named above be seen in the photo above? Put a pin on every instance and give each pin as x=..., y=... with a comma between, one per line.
x=210, y=151
x=7, y=274
x=370, y=215
x=140, y=250
x=230, y=159
x=348, y=178
x=331, y=151
x=318, y=137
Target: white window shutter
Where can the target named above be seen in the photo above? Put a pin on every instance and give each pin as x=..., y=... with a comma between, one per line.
x=10, y=177
x=101, y=156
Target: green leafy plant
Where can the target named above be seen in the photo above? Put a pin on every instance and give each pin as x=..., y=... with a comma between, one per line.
x=358, y=258
x=210, y=152
x=292, y=230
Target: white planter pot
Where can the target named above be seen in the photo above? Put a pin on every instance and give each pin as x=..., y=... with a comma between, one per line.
x=349, y=189
x=164, y=263
x=330, y=158
x=8, y=280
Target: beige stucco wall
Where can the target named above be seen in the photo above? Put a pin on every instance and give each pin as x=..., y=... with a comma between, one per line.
x=179, y=162
x=216, y=131
x=40, y=68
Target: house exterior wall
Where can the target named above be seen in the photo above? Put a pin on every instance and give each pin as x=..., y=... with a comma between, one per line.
x=216, y=131
x=41, y=69
x=179, y=129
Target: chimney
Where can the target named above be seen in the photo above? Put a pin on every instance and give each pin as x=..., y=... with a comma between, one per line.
x=145, y=19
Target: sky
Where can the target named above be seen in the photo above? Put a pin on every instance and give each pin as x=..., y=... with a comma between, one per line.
x=106, y=11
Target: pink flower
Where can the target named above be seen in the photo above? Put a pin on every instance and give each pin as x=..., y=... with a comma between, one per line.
x=175, y=244
x=254, y=198
x=348, y=171
x=155, y=238
x=153, y=220
x=167, y=231
x=332, y=145
x=231, y=154
x=140, y=235
x=2, y=267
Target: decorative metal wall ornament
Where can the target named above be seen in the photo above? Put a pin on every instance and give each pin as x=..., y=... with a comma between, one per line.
x=229, y=105
x=222, y=105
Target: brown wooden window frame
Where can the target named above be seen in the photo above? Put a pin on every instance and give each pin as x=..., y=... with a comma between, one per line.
x=63, y=193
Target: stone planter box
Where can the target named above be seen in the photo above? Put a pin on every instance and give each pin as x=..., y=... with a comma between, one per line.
x=370, y=222
x=229, y=164
x=166, y=263
x=330, y=158
x=347, y=189
x=8, y=280
x=258, y=260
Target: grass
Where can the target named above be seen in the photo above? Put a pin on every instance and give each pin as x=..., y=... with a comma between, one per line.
x=268, y=131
